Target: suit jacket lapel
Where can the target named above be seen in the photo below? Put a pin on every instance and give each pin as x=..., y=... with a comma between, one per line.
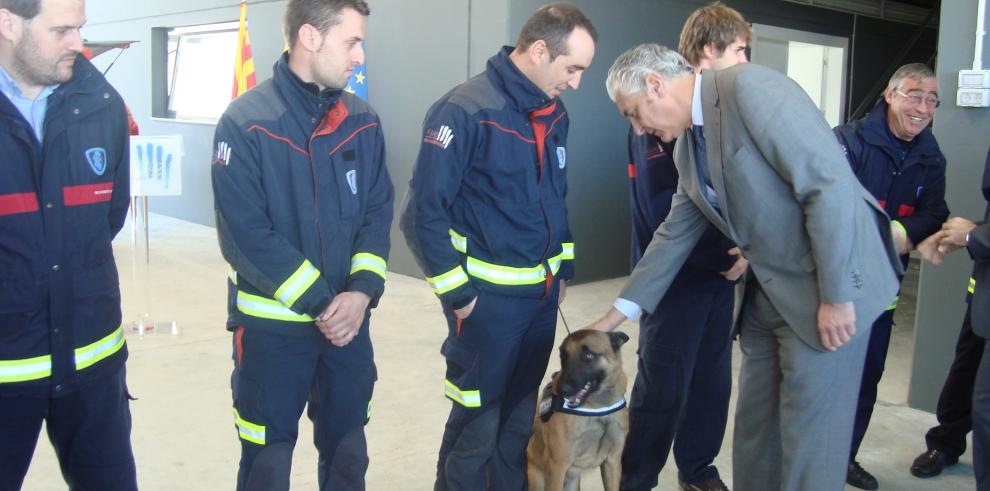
x=684, y=158
x=713, y=145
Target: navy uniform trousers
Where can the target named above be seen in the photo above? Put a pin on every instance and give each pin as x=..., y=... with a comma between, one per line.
x=496, y=359
x=275, y=376
x=90, y=429
x=955, y=402
x=682, y=388
x=876, y=357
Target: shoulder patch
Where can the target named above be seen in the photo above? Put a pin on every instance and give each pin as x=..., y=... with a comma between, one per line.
x=440, y=137
x=221, y=156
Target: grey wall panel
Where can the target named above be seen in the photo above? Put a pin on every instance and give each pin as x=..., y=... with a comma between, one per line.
x=961, y=132
x=416, y=51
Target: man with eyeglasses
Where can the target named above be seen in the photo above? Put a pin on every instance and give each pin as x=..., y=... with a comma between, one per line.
x=895, y=156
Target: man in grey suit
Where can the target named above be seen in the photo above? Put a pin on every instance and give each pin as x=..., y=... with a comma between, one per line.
x=761, y=164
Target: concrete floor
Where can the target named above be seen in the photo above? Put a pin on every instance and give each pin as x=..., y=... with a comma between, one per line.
x=183, y=429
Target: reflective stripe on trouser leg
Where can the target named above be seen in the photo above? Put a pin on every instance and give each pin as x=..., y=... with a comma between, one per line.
x=502, y=352
x=270, y=386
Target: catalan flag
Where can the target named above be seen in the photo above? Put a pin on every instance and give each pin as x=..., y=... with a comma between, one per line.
x=358, y=83
x=244, y=63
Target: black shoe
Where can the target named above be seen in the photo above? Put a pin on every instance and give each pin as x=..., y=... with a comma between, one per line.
x=857, y=477
x=931, y=463
x=713, y=484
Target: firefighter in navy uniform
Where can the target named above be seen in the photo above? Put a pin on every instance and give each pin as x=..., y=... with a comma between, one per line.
x=304, y=206
x=63, y=198
x=487, y=221
x=684, y=371
x=895, y=156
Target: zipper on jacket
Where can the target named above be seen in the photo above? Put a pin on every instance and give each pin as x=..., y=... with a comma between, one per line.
x=539, y=136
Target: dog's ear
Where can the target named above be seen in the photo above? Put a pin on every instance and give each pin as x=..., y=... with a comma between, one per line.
x=618, y=339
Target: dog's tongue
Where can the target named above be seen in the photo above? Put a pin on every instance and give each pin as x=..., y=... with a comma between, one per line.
x=578, y=398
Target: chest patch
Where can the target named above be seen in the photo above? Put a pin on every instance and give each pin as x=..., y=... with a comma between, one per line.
x=561, y=157
x=97, y=158
x=352, y=180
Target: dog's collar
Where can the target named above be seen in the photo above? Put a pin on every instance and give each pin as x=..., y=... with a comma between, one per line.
x=557, y=404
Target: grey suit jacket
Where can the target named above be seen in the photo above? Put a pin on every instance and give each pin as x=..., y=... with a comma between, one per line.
x=810, y=231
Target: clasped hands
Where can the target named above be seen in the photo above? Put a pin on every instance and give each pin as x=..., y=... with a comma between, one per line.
x=342, y=319
x=950, y=238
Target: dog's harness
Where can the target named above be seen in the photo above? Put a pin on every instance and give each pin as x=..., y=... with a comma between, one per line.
x=551, y=403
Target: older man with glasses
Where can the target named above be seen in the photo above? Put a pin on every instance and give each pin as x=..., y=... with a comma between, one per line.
x=895, y=156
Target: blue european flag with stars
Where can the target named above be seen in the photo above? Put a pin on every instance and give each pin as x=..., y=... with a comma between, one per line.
x=358, y=83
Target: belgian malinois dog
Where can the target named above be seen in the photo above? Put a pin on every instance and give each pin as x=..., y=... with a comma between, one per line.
x=582, y=419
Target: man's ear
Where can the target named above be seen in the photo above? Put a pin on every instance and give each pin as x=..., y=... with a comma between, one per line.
x=309, y=38
x=655, y=85
x=11, y=26
x=537, y=51
x=888, y=96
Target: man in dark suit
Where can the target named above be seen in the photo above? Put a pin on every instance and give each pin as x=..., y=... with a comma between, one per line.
x=955, y=234
x=761, y=165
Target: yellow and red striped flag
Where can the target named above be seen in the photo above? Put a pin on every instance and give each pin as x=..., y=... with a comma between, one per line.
x=244, y=63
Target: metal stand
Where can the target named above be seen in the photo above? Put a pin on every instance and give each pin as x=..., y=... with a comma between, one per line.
x=141, y=272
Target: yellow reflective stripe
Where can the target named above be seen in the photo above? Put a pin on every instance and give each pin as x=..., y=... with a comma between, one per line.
x=972, y=285
x=231, y=274
x=508, y=275
x=94, y=352
x=893, y=305
x=899, y=227
x=367, y=416
x=448, y=281
x=267, y=308
x=466, y=398
x=459, y=241
x=297, y=284
x=27, y=369
x=366, y=261
x=249, y=431
x=568, y=250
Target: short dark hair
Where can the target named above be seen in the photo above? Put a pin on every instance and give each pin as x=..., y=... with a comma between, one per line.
x=25, y=9
x=554, y=25
x=321, y=14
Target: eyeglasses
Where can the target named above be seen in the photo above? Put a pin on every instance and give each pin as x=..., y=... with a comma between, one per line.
x=916, y=99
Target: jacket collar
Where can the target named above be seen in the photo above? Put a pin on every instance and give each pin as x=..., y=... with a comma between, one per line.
x=877, y=132
x=85, y=79
x=523, y=93
x=302, y=95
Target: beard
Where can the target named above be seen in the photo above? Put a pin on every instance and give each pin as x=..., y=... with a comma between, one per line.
x=34, y=69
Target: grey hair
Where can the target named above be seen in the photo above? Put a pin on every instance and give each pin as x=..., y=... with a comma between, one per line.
x=628, y=73
x=917, y=71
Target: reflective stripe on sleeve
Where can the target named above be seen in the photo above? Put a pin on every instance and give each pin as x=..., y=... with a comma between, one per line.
x=448, y=281
x=297, y=284
x=893, y=304
x=459, y=241
x=567, y=253
x=365, y=261
x=972, y=285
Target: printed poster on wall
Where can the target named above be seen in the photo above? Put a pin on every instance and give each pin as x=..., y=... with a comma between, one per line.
x=156, y=165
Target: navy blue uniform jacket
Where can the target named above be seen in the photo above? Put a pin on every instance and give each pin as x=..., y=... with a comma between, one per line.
x=61, y=204
x=652, y=183
x=486, y=210
x=906, y=178
x=303, y=201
